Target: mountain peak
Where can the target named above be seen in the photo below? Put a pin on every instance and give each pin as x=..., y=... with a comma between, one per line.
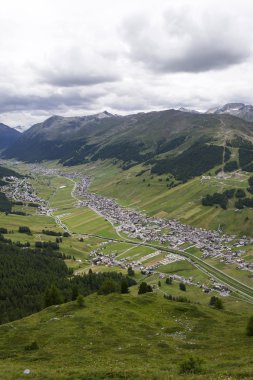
x=104, y=114
x=183, y=109
x=241, y=110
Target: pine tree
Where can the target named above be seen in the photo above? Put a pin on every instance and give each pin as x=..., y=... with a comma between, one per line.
x=53, y=296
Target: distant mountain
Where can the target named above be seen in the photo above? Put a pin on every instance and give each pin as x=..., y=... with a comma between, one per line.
x=21, y=128
x=8, y=136
x=185, y=144
x=182, y=109
x=240, y=110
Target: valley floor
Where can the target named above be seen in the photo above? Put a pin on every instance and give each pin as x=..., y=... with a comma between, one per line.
x=128, y=336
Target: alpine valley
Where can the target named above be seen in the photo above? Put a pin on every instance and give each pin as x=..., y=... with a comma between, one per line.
x=126, y=246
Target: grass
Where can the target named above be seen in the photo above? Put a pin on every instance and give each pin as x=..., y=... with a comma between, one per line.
x=86, y=221
x=182, y=202
x=35, y=222
x=130, y=336
x=126, y=337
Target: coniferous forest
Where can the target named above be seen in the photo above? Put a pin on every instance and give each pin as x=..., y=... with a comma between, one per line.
x=31, y=279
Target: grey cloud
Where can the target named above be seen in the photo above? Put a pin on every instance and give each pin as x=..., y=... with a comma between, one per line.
x=186, y=41
x=68, y=79
x=78, y=66
x=53, y=102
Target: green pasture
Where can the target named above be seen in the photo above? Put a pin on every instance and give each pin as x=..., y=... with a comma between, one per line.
x=85, y=221
x=126, y=337
x=149, y=194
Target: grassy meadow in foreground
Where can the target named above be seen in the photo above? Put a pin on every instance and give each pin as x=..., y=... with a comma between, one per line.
x=126, y=337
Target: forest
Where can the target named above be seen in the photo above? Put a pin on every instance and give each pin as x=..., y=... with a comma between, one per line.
x=194, y=161
x=31, y=279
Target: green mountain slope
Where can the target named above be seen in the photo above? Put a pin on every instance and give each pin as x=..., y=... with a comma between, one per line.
x=126, y=337
x=164, y=140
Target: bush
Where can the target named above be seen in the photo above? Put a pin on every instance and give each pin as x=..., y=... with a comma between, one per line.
x=32, y=347
x=249, y=328
x=144, y=288
x=229, y=193
x=191, y=365
x=240, y=193
x=130, y=271
x=109, y=286
x=239, y=204
x=216, y=303
x=80, y=300
x=216, y=199
x=182, y=287
x=124, y=286
x=24, y=230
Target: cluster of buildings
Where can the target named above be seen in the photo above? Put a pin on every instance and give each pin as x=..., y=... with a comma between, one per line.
x=227, y=248
x=20, y=189
x=137, y=225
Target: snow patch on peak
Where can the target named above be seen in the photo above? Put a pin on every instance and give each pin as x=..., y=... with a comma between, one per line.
x=103, y=115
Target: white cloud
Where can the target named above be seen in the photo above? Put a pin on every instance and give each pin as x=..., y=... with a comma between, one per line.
x=77, y=57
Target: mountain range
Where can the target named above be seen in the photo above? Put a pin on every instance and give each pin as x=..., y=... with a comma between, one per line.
x=8, y=136
x=240, y=110
x=182, y=142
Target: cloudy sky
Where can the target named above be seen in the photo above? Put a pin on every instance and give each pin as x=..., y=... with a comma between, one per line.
x=76, y=57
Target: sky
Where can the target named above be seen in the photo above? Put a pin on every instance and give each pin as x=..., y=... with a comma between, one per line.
x=79, y=57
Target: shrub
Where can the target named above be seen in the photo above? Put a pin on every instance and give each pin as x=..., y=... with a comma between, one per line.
x=182, y=287
x=124, y=286
x=249, y=328
x=80, y=301
x=24, y=230
x=108, y=286
x=190, y=365
x=240, y=193
x=144, y=288
x=130, y=271
x=216, y=302
x=32, y=347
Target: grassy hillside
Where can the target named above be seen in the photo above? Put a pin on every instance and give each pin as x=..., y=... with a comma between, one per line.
x=150, y=194
x=171, y=141
x=126, y=337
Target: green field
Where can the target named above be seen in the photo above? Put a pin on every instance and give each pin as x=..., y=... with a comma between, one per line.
x=182, y=202
x=85, y=221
